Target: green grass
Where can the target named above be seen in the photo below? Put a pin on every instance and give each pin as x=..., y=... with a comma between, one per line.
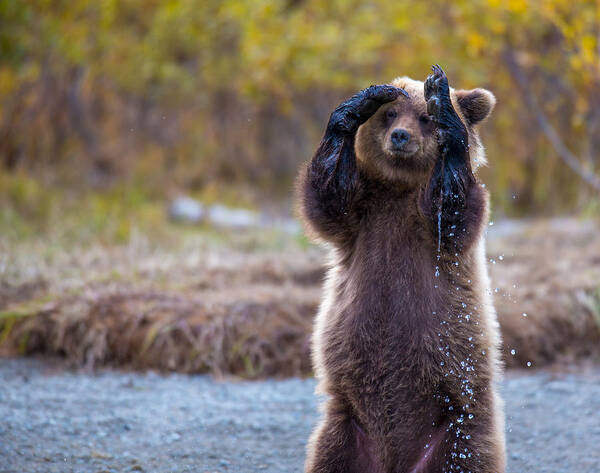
x=32, y=212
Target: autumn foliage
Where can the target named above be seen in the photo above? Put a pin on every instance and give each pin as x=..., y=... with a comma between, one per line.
x=187, y=94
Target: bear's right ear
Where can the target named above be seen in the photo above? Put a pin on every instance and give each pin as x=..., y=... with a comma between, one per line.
x=475, y=104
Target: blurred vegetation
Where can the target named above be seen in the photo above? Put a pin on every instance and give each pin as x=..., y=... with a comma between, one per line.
x=109, y=108
x=140, y=99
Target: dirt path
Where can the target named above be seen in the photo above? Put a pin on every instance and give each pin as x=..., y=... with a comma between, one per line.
x=52, y=420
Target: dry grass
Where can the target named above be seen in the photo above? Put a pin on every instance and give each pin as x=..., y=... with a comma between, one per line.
x=249, y=313
x=550, y=271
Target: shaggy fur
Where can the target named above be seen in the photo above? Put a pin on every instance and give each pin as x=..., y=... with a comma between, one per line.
x=406, y=341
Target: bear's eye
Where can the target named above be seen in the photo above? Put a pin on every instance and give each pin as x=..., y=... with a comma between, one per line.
x=390, y=114
x=424, y=119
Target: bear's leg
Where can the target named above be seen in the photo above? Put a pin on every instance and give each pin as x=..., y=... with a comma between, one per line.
x=339, y=445
x=471, y=441
x=331, y=182
x=477, y=454
x=454, y=201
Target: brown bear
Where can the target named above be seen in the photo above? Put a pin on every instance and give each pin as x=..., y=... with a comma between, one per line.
x=406, y=341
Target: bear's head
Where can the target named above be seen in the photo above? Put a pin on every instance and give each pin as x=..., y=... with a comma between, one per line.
x=399, y=142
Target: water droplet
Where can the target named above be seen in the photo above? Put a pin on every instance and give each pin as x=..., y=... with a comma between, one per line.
x=513, y=352
x=524, y=314
x=529, y=363
x=491, y=223
x=439, y=222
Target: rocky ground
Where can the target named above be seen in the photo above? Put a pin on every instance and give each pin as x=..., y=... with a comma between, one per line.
x=56, y=420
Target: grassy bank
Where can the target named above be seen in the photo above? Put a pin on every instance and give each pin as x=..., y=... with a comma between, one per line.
x=200, y=300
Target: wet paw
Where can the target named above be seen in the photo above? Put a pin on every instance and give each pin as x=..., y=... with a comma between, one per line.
x=352, y=113
x=437, y=94
x=452, y=132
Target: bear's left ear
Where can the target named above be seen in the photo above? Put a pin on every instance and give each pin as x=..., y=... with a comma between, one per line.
x=475, y=104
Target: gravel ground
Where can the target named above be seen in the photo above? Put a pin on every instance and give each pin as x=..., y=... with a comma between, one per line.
x=55, y=420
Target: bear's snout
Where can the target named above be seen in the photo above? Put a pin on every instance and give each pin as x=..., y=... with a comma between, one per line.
x=402, y=144
x=400, y=139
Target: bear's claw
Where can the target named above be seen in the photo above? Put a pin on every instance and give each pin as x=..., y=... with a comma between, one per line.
x=451, y=129
x=452, y=134
x=437, y=93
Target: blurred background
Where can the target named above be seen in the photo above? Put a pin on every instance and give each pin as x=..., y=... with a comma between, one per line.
x=122, y=120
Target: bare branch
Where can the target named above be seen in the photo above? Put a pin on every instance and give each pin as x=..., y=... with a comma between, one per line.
x=563, y=152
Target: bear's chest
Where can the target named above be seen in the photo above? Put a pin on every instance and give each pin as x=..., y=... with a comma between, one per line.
x=394, y=273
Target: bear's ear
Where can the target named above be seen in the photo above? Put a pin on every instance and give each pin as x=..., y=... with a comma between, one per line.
x=475, y=104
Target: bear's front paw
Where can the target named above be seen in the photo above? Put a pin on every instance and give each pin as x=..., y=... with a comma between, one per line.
x=437, y=95
x=352, y=113
x=452, y=132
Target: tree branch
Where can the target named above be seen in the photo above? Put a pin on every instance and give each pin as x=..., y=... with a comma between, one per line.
x=544, y=124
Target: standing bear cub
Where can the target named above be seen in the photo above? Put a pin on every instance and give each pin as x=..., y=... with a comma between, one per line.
x=406, y=339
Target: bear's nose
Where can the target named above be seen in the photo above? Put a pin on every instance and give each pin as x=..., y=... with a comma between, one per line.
x=400, y=138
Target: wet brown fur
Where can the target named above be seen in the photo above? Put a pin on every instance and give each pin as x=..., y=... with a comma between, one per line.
x=408, y=359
